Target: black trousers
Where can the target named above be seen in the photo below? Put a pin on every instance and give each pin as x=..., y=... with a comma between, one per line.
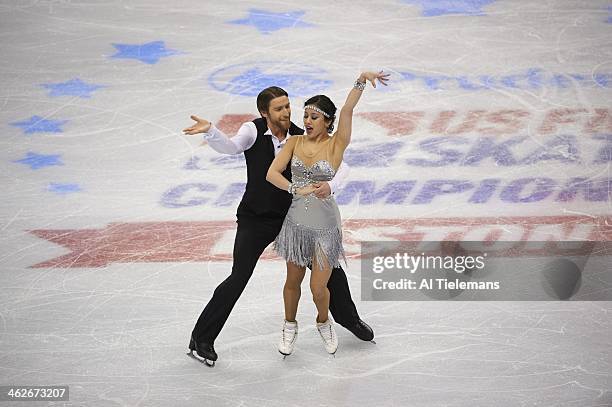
x=252, y=238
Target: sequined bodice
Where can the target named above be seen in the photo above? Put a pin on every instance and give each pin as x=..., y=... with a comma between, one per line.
x=302, y=174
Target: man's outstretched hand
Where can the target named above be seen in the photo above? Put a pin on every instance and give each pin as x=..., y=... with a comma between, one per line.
x=201, y=126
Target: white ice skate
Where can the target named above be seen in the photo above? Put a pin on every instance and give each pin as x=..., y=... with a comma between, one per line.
x=328, y=334
x=288, y=338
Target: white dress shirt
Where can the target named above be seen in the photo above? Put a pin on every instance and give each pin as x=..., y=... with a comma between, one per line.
x=245, y=138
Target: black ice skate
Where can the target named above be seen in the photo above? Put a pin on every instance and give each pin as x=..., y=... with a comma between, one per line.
x=361, y=330
x=204, y=352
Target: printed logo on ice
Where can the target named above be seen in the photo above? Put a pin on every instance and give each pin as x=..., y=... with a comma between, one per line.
x=249, y=79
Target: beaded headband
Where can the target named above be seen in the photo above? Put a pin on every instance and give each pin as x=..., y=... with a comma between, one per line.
x=316, y=109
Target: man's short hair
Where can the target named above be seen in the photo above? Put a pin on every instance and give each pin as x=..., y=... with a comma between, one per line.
x=265, y=97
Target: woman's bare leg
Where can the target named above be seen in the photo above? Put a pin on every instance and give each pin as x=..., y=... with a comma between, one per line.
x=318, y=286
x=292, y=290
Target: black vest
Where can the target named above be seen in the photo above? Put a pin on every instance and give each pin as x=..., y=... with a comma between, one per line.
x=261, y=198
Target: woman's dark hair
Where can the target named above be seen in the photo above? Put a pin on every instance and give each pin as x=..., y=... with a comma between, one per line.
x=265, y=97
x=324, y=103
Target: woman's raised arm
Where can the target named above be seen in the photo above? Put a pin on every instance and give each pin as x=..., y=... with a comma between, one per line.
x=345, y=121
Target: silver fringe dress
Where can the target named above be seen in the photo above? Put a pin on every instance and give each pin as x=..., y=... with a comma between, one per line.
x=312, y=225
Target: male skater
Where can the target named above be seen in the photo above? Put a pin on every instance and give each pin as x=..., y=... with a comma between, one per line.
x=260, y=216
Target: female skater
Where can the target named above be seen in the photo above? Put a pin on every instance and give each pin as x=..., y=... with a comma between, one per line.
x=311, y=233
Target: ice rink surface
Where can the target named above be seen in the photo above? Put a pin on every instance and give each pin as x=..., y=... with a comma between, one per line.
x=116, y=228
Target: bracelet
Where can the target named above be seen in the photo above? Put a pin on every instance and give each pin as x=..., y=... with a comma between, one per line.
x=359, y=85
x=291, y=188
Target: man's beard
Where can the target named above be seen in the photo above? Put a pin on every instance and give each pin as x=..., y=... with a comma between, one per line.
x=281, y=124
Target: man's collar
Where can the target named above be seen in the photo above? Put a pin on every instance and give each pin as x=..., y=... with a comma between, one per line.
x=268, y=132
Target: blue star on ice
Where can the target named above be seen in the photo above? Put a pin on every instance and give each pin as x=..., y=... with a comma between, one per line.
x=267, y=21
x=37, y=161
x=73, y=87
x=63, y=189
x=37, y=124
x=149, y=53
x=440, y=7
